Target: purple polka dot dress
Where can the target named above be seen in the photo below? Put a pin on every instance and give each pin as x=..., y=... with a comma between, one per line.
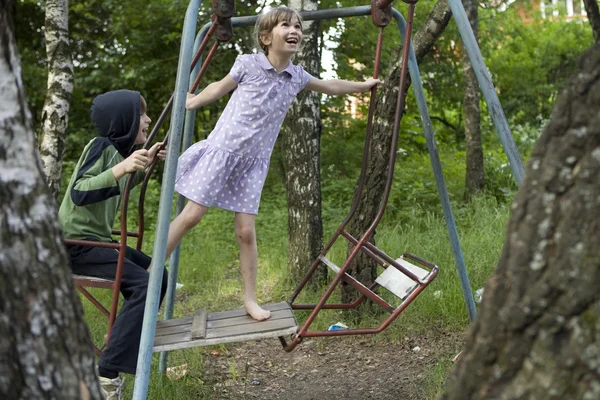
x=228, y=169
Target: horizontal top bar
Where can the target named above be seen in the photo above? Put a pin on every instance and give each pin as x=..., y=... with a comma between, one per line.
x=310, y=15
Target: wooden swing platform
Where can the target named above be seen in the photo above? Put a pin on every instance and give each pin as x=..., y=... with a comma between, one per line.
x=223, y=327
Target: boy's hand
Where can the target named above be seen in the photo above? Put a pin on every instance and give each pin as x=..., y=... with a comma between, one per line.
x=137, y=161
x=369, y=83
x=156, y=151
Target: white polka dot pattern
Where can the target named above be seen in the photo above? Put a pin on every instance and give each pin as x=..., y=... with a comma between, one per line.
x=228, y=169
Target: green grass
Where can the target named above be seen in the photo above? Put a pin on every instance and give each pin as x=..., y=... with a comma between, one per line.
x=209, y=270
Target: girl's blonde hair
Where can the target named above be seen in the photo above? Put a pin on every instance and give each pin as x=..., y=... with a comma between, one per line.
x=269, y=20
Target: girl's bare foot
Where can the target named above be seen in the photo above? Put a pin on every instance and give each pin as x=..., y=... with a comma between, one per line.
x=255, y=311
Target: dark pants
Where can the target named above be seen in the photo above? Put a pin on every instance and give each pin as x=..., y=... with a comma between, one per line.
x=121, y=351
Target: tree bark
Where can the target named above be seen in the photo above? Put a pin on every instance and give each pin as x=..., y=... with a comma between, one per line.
x=45, y=349
x=363, y=268
x=302, y=160
x=536, y=336
x=55, y=114
x=474, y=177
x=593, y=14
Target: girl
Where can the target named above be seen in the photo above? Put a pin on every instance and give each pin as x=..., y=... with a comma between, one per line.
x=228, y=169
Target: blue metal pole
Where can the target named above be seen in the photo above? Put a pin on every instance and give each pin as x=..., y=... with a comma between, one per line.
x=417, y=85
x=144, y=362
x=188, y=135
x=487, y=88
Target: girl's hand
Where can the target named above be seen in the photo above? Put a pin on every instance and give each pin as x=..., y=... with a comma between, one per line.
x=189, y=97
x=369, y=83
x=156, y=151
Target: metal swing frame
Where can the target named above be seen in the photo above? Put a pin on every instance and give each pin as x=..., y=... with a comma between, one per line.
x=178, y=115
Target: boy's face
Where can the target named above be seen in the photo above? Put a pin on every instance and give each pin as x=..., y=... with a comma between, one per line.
x=142, y=133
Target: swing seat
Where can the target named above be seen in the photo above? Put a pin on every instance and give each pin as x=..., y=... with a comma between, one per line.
x=399, y=283
x=223, y=327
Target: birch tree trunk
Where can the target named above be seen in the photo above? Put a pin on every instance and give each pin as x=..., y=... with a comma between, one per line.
x=302, y=140
x=538, y=328
x=45, y=349
x=363, y=268
x=55, y=114
x=474, y=178
x=593, y=14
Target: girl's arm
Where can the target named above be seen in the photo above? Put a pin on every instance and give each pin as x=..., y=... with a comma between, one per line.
x=212, y=92
x=338, y=86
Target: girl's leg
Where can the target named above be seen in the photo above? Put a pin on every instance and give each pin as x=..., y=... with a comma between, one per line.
x=246, y=237
x=189, y=217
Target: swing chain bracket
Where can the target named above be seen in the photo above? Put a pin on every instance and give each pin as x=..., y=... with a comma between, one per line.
x=223, y=10
x=381, y=12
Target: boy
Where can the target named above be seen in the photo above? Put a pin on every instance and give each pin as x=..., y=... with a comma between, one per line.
x=88, y=212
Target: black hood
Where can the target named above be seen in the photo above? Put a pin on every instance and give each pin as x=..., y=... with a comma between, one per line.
x=116, y=116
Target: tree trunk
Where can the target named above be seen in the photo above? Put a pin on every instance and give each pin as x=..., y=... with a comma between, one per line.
x=45, y=349
x=55, y=114
x=593, y=14
x=362, y=267
x=302, y=160
x=536, y=336
x=474, y=178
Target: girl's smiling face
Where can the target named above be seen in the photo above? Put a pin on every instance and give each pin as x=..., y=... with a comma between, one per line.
x=285, y=38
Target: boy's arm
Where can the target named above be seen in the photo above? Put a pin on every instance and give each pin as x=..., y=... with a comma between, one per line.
x=212, y=92
x=94, y=183
x=339, y=86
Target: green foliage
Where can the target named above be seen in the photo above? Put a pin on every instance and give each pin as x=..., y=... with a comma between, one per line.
x=530, y=62
x=135, y=45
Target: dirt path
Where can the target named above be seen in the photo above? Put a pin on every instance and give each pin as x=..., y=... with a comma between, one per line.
x=329, y=368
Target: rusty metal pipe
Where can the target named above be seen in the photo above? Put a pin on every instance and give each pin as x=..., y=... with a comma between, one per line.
x=209, y=57
x=363, y=171
x=368, y=234
x=94, y=301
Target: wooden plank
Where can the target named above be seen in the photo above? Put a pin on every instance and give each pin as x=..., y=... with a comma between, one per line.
x=170, y=330
x=246, y=319
x=241, y=311
x=226, y=327
x=239, y=330
x=172, y=339
x=215, y=336
x=186, y=343
x=198, y=330
x=174, y=333
x=173, y=322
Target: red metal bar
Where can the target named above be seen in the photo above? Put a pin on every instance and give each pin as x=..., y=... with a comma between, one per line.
x=368, y=331
x=150, y=139
x=205, y=64
x=122, y=245
x=130, y=234
x=167, y=109
x=93, y=300
x=303, y=331
x=361, y=180
x=377, y=253
x=89, y=243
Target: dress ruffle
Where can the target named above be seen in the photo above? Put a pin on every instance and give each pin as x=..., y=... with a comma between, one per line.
x=215, y=177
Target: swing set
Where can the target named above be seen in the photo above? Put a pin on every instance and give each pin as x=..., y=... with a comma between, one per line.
x=404, y=277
